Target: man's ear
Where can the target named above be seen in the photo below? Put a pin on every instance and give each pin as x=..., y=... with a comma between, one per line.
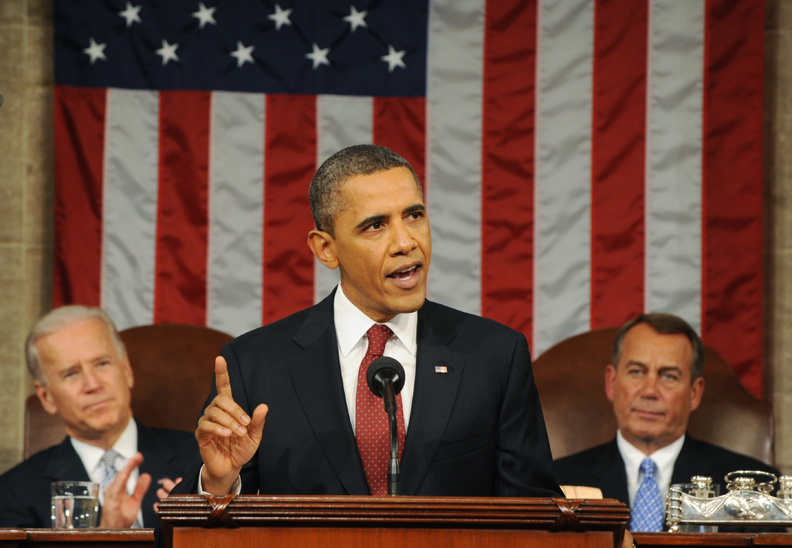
x=696, y=391
x=610, y=379
x=323, y=247
x=129, y=377
x=45, y=397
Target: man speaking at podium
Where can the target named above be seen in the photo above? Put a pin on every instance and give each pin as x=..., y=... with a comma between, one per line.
x=290, y=412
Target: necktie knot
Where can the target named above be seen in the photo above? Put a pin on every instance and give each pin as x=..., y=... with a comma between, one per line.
x=648, y=468
x=378, y=335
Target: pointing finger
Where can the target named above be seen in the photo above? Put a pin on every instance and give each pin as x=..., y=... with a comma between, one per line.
x=222, y=382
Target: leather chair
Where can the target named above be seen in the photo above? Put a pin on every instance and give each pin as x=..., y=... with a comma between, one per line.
x=173, y=366
x=570, y=377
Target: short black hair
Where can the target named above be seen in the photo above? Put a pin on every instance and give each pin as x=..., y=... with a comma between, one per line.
x=325, y=190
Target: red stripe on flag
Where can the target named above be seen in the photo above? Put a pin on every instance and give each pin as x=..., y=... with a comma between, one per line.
x=400, y=125
x=79, y=170
x=732, y=217
x=289, y=165
x=180, y=275
x=507, y=244
x=618, y=162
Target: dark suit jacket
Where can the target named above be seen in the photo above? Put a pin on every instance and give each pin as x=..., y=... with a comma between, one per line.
x=476, y=430
x=602, y=466
x=25, y=489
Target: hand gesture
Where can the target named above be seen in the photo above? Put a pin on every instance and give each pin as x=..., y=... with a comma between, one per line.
x=227, y=436
x=120, y=510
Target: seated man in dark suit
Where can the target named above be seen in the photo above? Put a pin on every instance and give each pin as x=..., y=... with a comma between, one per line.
x=655, y=381
x=82, y=373
x=470, y=422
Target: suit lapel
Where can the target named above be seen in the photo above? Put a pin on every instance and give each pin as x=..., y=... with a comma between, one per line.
x=437, y=377
x=316, y=377
x=691, y=462
x=609, y=473
x=65, y=464
x=157, y=456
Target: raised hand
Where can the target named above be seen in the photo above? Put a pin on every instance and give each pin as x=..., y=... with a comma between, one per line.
x=120, y=510
x=227, y=436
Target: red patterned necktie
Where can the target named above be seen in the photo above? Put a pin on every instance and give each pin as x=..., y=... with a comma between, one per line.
x=371, y=420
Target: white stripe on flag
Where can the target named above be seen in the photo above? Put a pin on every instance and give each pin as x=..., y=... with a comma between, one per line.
x=342, y=121
x=562, y=275
x=236, y=212
x=454, y=124
x=130, y=200
x=236, y=189
x=674, y=159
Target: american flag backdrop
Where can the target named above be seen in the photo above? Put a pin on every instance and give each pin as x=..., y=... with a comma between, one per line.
x=583, y=160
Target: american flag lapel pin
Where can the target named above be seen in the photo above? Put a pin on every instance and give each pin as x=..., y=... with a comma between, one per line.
x=441, y=369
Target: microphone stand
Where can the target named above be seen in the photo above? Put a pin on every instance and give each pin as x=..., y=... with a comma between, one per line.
x=394, y=475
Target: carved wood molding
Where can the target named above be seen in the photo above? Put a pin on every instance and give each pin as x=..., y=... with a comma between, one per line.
x=364, y=511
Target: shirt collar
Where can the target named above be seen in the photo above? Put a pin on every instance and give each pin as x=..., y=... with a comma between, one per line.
x=125, y=445
x=664, y=458
x=351, y=324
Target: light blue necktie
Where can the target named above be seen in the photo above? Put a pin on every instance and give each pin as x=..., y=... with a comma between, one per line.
x=107, y=464
x=647, y=510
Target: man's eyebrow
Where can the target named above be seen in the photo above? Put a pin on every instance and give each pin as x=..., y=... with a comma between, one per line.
x=371, y=220
x=379, y=218
x=635, y=362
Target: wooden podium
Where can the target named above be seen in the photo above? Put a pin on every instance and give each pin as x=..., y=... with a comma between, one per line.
x=362, y=521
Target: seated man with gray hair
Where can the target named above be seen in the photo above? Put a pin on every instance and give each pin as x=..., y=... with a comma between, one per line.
x=82, y=373
x=654, y=382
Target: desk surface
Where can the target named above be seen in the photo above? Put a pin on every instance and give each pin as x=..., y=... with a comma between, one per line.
x=663, y=540
x=95, y=538
x=144, y=538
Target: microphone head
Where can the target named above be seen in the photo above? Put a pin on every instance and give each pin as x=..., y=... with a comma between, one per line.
x=385, y=368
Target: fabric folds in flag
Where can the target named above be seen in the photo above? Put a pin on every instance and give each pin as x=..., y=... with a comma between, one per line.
x=583, y=160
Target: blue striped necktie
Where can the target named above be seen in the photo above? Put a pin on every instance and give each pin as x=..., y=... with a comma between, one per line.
x=647, y=510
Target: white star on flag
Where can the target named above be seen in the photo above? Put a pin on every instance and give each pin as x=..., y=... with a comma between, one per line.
x=356, y=18
x=394, y=58
x=95, y=51
x=204, y=15
x=131, y=14
x=243, y=54
x=281, y=17
x=168, y=52
x=318, y=56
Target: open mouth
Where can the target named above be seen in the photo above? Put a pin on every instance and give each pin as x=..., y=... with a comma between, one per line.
x=407, y=277
x=404, y=274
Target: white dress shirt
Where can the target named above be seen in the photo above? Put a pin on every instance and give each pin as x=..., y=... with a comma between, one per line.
x=664, y=459
x=351, y=326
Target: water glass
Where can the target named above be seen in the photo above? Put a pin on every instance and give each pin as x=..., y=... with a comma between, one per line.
x=75, y=504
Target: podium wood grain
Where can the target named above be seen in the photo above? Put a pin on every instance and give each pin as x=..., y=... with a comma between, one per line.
x=351, y=521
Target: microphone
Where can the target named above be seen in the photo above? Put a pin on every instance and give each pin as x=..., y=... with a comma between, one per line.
x=385, y=377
